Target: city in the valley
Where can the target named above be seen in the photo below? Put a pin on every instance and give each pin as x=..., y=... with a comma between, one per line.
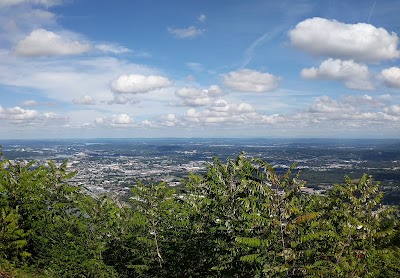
x=114, y=165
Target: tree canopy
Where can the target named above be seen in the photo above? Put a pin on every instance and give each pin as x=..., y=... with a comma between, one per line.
x=239, y=219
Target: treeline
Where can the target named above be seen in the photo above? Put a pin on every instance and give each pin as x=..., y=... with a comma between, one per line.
x=239, y=219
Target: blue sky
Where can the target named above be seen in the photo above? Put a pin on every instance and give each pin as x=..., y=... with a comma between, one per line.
x=199, y=68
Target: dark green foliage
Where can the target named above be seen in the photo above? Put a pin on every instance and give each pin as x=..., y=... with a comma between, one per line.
x=259, y=224
x=50, y=221
x=239, y=219
x=12, y=238
x=245, y=208
x=157, y=237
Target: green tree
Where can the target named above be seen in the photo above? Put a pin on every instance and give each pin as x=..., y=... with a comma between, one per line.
x=243, y=207
x=260, y=224
x=12, y=237
x=239, y=219
x=353, y=235
x=51, y=220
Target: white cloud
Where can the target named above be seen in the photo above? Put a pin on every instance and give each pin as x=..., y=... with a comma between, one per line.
x=114, y=120
x=328, y=113
x=46, y=3
x=340, y=116
x=186, y=33
x=41, y=42
x=202, y=18
x=214, y=90
x=393, y=110
x=122, y=99
x=121, y=119
x=189, y=92
x=164, y=121
x=364, y=100
x=85, y=100
x=247, y=80
x=136, y=83
x=30, y=103
x=197, y=97
x=18, y=115
x=18, y=21
x=149, y=124
x=327, y=105
x=11, y=2
x=112, y=48
x=99, y=121
x=361, y=41
x=169, y=120
x=42, y=14
x=193, y=97
x=391, y=77
x=54, y=118
x=354, y=75
x=244, y=108
x=37, y=15
x=67, y=78
x=170, y=117
x=220, y=111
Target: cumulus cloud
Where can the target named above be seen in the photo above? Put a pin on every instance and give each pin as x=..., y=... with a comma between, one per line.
x=136, y=83
x=54, y=118
x=66, y=79
x=122, y=99
x=85, y=100
x=393, y=110
x=18, y=115
x=164, y=121
x=354, y=75
x=148, y=124
x=168, y=120
x=326, y=112
x=121, y=119
x=41, y=42
x=193, y=97
x=197, y=97
x=214, y=90
x=361, y=41
x=186, y=33
x=99, y=121
x=115, y=120
x=246, y=80
x=391, y=77
x=220, y=111
x=365, y=100
x=327, y=105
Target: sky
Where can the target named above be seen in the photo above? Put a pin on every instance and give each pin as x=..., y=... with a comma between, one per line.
x=199, y=68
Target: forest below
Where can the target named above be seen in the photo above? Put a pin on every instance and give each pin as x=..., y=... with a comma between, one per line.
x=238, y=219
